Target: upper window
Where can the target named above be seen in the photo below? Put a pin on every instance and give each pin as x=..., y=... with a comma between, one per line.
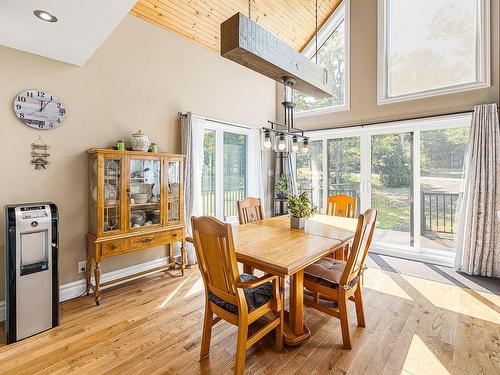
x=332, y=55
x=431, y=47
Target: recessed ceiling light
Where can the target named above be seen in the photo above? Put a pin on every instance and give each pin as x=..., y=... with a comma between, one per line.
x=44, y=15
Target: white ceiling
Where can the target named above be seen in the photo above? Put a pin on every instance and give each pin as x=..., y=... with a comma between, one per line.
x=81, y=28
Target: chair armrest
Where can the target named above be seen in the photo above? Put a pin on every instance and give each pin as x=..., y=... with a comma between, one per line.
x=254, y=283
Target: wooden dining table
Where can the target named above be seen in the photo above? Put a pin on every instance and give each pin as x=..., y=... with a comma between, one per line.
x=271, y=246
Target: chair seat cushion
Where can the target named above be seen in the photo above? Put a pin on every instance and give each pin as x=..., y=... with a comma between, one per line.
x=327, y=272
x=255, y=297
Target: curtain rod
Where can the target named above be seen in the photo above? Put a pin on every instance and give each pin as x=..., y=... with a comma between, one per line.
x=181, y=114
x=371, y=123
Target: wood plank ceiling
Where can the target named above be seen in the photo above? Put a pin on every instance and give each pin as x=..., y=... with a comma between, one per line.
x=293, y=21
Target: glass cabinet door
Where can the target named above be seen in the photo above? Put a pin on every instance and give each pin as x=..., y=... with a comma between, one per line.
x=112, y=170
x=145, y=192
x=174, y=191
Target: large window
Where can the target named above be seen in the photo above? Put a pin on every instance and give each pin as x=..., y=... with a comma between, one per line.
x=333, y=56
x=225, y=174
x=411, y=173
x=430, y=47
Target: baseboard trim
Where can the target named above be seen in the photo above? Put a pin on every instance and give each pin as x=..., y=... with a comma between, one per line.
x=77, y=288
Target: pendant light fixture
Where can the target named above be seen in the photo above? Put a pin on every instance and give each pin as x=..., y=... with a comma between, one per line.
x=286, y=132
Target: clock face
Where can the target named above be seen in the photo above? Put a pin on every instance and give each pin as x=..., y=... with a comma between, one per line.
x=39, y=109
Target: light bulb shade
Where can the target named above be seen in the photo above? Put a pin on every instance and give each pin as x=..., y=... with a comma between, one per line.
x=282, y=143
x=305, y=146
x=267, y=140
x=295, y=144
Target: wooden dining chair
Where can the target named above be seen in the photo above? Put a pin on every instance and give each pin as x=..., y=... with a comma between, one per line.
x=334, y=280
x=341, y=205
x=249, y=210
x=239, y=299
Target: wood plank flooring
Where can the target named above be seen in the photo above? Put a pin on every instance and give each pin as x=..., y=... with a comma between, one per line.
x=153, y=326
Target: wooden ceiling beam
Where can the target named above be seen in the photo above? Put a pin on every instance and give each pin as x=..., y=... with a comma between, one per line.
x=249, y=44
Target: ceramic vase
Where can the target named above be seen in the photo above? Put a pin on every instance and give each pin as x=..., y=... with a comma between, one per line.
x=140, y=141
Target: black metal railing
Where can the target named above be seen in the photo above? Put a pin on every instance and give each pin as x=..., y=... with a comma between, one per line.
x=438, y=211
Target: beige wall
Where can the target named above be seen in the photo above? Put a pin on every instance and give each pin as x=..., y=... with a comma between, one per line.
x=139, y=79
x=364, y=106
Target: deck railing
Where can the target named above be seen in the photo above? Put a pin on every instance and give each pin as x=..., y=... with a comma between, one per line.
x=231, y=196
x=438, y=211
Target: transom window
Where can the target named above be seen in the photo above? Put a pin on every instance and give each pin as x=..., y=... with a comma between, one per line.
x=333, y=56
x=431, y=47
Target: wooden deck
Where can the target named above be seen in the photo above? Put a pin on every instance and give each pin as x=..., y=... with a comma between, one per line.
x=153, y=326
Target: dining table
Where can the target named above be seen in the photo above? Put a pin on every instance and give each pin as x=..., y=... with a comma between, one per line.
x=272, y=246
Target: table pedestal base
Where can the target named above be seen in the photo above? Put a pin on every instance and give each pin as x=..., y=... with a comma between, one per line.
x=294, y=339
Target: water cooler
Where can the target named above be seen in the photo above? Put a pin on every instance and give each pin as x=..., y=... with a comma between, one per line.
x=31, y=269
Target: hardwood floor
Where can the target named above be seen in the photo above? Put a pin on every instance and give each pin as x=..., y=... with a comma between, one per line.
x=153, y=326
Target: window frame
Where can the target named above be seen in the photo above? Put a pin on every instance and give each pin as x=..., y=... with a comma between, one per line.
x=483, y=59
x=341, y=13
x=221, y=128
x=416, y=252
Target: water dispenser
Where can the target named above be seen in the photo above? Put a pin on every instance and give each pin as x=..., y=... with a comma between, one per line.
x=32, y=272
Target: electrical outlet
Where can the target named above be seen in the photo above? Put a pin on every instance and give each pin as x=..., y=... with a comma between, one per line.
x=82, y=266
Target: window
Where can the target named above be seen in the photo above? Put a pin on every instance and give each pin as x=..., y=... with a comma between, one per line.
x=410, y=172
x=310, y=174
x=225, y=174
x=431, y=47
x=333, y=56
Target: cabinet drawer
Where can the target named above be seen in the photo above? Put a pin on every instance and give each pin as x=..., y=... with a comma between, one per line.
x=140, y=242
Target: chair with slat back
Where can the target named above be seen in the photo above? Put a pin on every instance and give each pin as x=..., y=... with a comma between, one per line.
x=249, y=210
x=339, y=281
x=239, y=299
x=341, y=205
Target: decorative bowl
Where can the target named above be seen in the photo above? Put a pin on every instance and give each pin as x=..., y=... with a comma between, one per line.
x=140, y=198
x=138, y=217
x=140, y=141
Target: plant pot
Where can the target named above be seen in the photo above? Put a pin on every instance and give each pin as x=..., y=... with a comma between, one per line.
x=297, y=222
x=281, y=195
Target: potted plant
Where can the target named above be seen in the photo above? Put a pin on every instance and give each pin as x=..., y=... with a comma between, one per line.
x=299, y=207
x=282, y=187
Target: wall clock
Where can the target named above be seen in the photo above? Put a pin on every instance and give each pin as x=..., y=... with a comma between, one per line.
x=39, y=109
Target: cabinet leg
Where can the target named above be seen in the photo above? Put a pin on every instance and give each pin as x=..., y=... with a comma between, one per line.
x=183, y=257
x=88, y=272
x=97, y=275
x=171, y=254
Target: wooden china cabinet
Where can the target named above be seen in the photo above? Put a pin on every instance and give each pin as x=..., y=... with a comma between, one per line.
x=135, y=202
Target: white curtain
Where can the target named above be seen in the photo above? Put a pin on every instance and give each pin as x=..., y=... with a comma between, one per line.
x=257, y=167
x=478, y=234
x=192, y=147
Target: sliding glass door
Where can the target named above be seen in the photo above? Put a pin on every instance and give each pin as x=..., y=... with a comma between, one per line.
x=392, y=187
x=411, y=173
x=225, y=174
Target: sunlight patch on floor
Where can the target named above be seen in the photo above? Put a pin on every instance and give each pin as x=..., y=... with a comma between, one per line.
x=196, y=288
x=453, y=298
x=380, y=281
x=419, y=356
x=175, y=291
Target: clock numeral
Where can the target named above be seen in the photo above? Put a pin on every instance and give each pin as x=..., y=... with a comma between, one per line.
x=21, y=115
x=29, y=94
x=41, y=94
x=51, y=125
x=18, y=106
x=21, y=99
x=58, y=120
x=61, y=112
x=41, y=124
x=58, y=105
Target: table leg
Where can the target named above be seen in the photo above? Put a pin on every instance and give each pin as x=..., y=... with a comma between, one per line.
x=248, y=269
x=296, y=331
x=183, y=257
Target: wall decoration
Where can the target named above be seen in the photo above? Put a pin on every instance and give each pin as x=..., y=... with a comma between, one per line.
x=39, y=109
x=39, y=154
